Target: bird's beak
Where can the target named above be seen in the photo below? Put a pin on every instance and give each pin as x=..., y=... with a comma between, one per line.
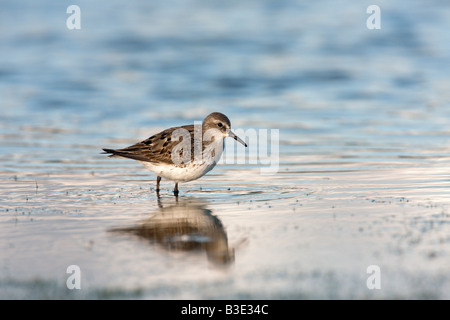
x=235, y=137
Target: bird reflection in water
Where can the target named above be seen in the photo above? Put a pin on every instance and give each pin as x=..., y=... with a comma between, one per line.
x=185, y=225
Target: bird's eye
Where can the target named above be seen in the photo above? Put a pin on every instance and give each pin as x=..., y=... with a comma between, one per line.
x=220, y=124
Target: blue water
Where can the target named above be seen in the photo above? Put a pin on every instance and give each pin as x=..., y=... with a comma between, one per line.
x=363, y=117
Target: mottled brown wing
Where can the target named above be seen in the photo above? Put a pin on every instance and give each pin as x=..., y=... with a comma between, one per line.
x=157, y=148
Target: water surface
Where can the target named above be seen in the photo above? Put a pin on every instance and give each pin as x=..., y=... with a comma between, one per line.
x=364, y=161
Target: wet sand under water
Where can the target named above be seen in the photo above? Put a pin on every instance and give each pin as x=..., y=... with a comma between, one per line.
x=291, y=235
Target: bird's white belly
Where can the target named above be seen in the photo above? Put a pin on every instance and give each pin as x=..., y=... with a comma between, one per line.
x=179, y=174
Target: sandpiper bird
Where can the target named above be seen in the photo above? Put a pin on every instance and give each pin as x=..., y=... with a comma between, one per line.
x=182, y=154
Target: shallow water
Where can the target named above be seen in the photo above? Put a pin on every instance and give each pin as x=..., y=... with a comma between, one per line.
x=363, y=174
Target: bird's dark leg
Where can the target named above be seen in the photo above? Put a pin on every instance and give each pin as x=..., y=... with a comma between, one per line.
x=158, y=179
x=175, y=191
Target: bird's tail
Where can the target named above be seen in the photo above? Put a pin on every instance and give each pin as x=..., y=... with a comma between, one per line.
x=124, y=154
x=111, y=152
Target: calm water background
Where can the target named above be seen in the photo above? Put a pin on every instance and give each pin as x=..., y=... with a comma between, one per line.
x=364, y=162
